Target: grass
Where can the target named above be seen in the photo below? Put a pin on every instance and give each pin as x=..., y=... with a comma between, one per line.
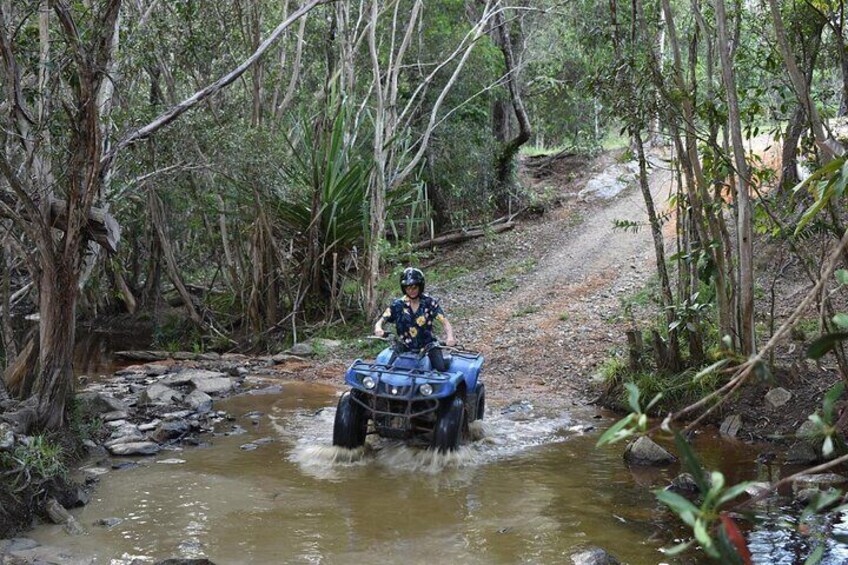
x=564, y=317
x=38, y=460
x=526, y=311
x=499, y=286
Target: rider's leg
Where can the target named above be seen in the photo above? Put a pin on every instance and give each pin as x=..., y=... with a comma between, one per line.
x=437, y=361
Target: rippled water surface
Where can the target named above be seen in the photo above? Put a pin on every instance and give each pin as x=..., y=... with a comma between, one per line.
x=530, y=489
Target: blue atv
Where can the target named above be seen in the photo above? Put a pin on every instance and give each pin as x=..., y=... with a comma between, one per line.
x=401, y=396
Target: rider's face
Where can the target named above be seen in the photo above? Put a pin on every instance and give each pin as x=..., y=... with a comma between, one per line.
x=412, y=291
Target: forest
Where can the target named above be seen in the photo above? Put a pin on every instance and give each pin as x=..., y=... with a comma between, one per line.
x=240, y=176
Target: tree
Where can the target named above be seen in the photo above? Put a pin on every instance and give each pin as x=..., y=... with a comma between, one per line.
x=77, y=48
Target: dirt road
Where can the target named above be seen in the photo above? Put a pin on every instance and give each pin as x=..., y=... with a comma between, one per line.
x=545, y=303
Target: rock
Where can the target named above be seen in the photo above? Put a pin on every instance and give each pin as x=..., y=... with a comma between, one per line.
x=184, y=356
x=7, y=437
x=142, y=355
x=172, y=461
x=249, y=447
x=95, y=471
x=273, y=389
x=264, y=441
x=159, y=394
x=777, y=397
x=18, y=544
x=199, y=401
x=817, y=480
x=801, y=453
x=185, y=561
x=684, y=484
x=167, y=431
x=132, y=437
x=114, y=416
x=154, y=370
x=151, y=425
x=178, y=415
x=758, y=488
x=594, y=556
x=209, y=356
x=135, y=448
x=108, y=522
x=644, y=451
x=808, y=430
x=100, y=403
x=302, y=349
x=213, y=385
x=56, y=512
x=731, y=425
x=73, y=528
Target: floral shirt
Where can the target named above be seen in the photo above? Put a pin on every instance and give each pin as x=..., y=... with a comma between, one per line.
x=414, y=329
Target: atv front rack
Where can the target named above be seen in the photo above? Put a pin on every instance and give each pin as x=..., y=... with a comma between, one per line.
x=406, y=397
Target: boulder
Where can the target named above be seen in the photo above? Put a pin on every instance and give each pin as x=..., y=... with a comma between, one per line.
x=100, y=403
x=303, y=349
x=731, y=426
x=817, y=480
x=136, y=448
x=212, y=385
x=594, y=556
x=159, y=394
x=801, y=453
x=644, y=451
x=117, y=415
x=611, y=182
x=684, y=484
x=199, y=401
x=7, y=437
x=167, y=431
x=777, y=397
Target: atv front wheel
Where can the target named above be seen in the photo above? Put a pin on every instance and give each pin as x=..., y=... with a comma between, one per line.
x=481, y=401
x=449, y=426
x=351, y=423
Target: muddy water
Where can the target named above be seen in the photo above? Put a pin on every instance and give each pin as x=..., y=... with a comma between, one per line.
x=529, y=489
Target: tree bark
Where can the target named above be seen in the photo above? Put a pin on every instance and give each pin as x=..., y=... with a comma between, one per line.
x=505, y=159
x=744, y=228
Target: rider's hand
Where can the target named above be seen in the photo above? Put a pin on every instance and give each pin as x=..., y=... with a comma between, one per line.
x=380, y=333
x=450, y=342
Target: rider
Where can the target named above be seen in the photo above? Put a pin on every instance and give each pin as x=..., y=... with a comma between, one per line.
x=413, y=316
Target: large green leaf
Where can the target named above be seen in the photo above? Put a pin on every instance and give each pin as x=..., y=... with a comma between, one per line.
x=825, y=343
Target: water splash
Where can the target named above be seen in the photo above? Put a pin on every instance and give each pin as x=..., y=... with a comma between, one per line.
x=498, y=437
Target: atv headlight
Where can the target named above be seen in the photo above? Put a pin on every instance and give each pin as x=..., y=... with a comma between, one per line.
x=369, y=382
x=426, y=389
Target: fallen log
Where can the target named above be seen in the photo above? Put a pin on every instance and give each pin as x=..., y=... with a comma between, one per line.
x=101, y=226
x=457, y=237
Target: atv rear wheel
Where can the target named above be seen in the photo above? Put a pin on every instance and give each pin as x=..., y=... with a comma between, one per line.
x=351, y=423
x=449, y=426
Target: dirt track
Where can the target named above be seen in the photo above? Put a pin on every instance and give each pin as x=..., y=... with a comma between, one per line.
x=545, y=308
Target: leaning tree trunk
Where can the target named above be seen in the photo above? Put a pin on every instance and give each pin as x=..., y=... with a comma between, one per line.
x=505, y=159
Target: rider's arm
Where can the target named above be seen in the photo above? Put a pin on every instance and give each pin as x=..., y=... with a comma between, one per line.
x=449, y=339
x=388, y=316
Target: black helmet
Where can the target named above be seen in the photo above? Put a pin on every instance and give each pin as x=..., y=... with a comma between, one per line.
x=411, y=276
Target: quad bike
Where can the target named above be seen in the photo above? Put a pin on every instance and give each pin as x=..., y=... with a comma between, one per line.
x=399, y=395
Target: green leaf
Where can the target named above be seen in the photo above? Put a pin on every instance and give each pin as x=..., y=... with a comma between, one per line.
x=633, y=397
x=617, y=431
x=653, y=401
x=703, y=537
x=816, y=556
x=690, y=461
x=830, y=399
x=687, y=511
x=841, y=276
x=733, y=492
x=825, y=343
x=679, y=548
x=841, y=320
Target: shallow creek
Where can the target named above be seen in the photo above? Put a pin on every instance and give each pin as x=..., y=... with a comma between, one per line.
x=532, y=488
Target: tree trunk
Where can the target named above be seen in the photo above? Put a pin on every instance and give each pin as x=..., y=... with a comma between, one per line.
x=505, y=159
x=744, y=228
x=57, y=330
x=667, y=298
